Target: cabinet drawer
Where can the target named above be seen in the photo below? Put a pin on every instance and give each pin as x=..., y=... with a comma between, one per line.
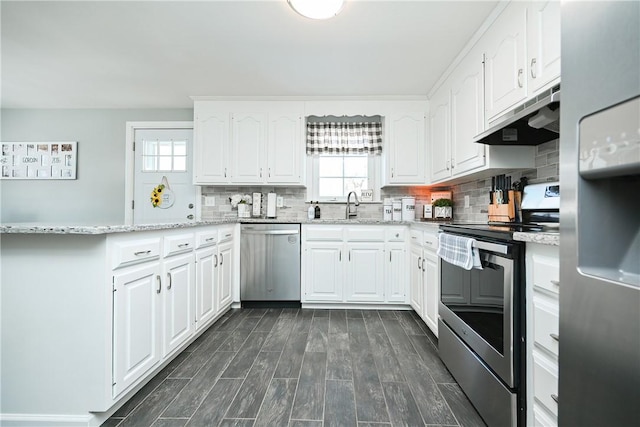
x=545, y=322
x=546, y=272
x=545, y=381
x=178, y=244
x=430, y=241
x=206, y=238
x=134, y=252
x=323, y=233
x=416, y=237
x=225, y=234
x=396, y=234
x=366, y=234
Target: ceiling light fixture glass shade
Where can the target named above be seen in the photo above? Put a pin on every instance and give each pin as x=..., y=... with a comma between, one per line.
x=317, y=9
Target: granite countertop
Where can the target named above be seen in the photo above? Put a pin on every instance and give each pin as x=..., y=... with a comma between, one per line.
x=552, y=239
x=43, y=228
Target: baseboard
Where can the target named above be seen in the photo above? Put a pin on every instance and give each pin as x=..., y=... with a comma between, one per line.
x=355, y=306
x=47, y=420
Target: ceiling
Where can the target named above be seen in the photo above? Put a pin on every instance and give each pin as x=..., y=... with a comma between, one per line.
x=156, y=54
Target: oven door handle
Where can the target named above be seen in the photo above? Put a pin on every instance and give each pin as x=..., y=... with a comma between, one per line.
x=493, y=247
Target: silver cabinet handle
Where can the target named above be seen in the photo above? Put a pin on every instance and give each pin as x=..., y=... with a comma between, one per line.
x=453, y=163
x=260, y=172
x=269, y=170
x=215, y=264
x=340, y=256
x=183, y=245
x=389, y=256
x=520, y=72
x=448, y=164
x=159, y=279
x=142, y=253
x=555, y=282
x=209, y=239
x=169, y=280
x=190, y=216
x=349, y=256
x=533, y=67
x=227, y=235
x=555, y=337
x=423, y=264
x=554, y=397
x=419, y=263
x=221, y=259
x=391, y=172
x=225, y=172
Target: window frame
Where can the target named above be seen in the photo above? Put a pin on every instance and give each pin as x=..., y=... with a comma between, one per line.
x=313, y=179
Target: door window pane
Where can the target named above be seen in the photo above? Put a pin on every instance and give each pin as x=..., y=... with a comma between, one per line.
x=338, y=175
x=164, y=156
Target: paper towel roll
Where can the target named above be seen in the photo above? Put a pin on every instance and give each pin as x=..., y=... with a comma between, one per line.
x=271, y=205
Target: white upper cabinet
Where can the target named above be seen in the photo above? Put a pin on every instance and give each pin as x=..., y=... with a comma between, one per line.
x=543, y=44
x=439, y=134
x=249, y=132
x=406, y=148
x=505, y=59
x=212, y=145
x=285, y=148
x=522, y=54
x=248, y=143
x=467, y=115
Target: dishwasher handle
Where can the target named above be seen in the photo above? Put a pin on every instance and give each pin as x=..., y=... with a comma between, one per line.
x=271, y=232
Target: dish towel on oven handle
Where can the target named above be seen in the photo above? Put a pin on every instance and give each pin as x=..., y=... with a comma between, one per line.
x=459, y=250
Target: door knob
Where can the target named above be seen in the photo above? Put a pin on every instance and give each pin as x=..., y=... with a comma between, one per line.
x=190, y=205
x=190, y=216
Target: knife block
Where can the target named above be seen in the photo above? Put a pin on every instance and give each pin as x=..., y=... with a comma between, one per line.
x=505, y=212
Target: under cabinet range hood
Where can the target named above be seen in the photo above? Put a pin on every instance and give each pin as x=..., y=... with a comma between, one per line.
x=532, y=124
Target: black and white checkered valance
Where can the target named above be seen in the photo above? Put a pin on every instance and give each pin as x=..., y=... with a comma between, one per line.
x=344, y=138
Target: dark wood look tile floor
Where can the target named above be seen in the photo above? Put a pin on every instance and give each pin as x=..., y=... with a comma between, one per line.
x=311, y=368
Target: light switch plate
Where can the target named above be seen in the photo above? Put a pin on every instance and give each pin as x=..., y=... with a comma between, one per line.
x=279, y=201
x=209, y=200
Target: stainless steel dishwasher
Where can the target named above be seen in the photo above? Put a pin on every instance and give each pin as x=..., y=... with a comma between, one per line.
x=270, y=265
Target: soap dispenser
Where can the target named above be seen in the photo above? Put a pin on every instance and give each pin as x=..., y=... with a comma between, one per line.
x=317, y=212
x=311, y=211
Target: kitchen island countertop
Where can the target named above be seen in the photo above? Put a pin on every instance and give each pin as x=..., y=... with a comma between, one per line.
x=45, y=228
x=552, y=239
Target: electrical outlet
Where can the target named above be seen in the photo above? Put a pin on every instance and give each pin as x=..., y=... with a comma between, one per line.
x=466, y=201
x=279, y=201
x=209, y=201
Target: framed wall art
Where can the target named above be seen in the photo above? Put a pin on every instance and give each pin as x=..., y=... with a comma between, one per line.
x=39, y=160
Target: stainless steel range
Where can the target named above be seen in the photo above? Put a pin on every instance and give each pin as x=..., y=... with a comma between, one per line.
x=482, y=324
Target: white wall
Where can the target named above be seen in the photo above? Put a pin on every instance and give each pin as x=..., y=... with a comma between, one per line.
x=97, y=195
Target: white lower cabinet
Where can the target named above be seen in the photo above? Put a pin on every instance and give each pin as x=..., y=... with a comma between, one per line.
x=365, y=272
x=353, y=264
x=137, y=312
x=542, y=270
x=225, y=275
x=425, y=276
x=179, y=301
x=159, y=303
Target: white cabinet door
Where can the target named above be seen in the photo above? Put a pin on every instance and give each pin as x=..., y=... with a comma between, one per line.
x=137, y=311
x=543, y=44
x=467, y=115
x=324, y=271
x=225, y=275
x=396, y=273
x=439, y=135
x=179, y=300
x=505, y=76
x=206, y=271
x=407, y=147
x=415, y=271
x=249, y=133
x=285, y=145
x=431, y=290
x=365, y=272
x=212, y=146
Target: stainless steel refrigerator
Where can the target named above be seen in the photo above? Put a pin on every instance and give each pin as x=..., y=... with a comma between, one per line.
x=599, y=353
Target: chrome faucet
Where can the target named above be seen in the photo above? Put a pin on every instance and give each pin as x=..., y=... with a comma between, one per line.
x=352, y=211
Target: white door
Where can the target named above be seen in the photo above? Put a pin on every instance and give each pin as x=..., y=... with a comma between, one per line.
x=206, y=270
x=431, y=290
x=249, y=136
x=365, y=272
x=225, y=277
x=396, y=274
x=286, y=139
x=407, y=148
x=163, y=157
x=416, y=279
x=324, y=271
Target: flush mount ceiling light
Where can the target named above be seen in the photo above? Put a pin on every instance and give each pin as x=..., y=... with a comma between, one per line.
x=317, y=9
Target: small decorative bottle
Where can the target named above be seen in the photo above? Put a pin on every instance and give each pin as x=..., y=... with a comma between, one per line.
x=317, y=212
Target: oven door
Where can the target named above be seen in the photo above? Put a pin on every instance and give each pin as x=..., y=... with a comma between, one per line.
x=478, y=306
